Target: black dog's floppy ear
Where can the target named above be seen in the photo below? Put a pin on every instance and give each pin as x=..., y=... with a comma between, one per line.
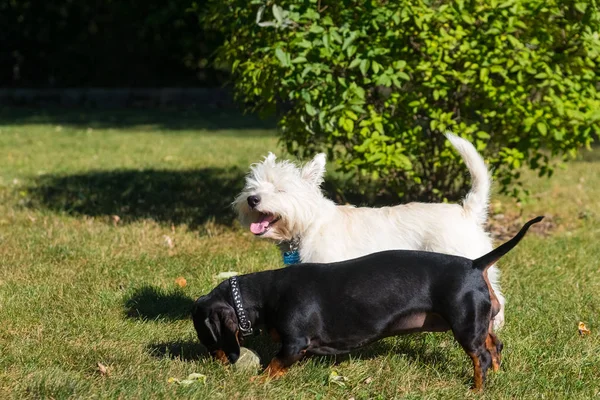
x=207, y=330
x=229, y=333
x=210, y=328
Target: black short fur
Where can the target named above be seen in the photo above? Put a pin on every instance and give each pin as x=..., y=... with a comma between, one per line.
x=334, y=308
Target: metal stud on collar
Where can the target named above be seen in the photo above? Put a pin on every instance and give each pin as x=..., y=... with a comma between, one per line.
x=243, y=322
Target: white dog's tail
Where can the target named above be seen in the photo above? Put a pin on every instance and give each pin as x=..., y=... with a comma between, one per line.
x=476, y=201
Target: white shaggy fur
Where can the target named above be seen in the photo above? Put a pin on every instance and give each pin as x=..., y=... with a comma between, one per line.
x=292, y=207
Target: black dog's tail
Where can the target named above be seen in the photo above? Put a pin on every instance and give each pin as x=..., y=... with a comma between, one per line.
x=490, y=258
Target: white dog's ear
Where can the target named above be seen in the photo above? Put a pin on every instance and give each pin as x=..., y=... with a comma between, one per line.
x=314, y=170
x=270, y=159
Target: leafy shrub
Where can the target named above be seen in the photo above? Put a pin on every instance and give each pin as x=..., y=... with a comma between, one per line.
x=375, y=83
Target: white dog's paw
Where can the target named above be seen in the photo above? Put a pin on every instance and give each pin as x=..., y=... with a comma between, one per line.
x=499, y=320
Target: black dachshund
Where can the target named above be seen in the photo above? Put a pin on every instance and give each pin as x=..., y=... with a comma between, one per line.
x=334, y=308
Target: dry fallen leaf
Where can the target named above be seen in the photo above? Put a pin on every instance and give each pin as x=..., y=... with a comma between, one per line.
x=192, y=378
x=115, y=219
x=181, y=281
x=168, y=241
x=227, y=274
x=338, y=379
x=368, y=380
x=583, y=330
x=102, y=369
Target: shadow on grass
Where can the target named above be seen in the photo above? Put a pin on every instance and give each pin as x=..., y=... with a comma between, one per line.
x=590, y=156
x=172, y=120
x=192, y=197
x=413, y=348
x=416, y=349
x=150, y=303
x=184, y=350
x=187, y=350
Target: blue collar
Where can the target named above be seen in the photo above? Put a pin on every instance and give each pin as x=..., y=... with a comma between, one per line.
x=291, y=257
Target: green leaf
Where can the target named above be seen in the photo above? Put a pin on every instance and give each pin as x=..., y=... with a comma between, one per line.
x=281, y=56
x=581, y=7
x=375, y=66
x=277, y=13
x=400, y=64
x=235, y=65
x=559, y=134
x=542, y=128
x=306, y=44
x=351, y=50
x=468, y=19
x=483, y=74
x=403, y=75
x=354, y=63
x=364, y=66
x=326, y=40
x=314, y=28
x=336, y=36
x=348, y=41
x=528, y=122
x=351, y=115
x=310, y=110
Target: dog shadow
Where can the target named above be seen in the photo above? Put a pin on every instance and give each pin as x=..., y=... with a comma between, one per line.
x=151, y=303
x=183, y=350
x=415, y=350
x=191, y=197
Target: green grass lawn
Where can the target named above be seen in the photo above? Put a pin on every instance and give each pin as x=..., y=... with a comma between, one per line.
x=78, y=287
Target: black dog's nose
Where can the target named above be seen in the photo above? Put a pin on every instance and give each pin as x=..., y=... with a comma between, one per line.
x=253, y=201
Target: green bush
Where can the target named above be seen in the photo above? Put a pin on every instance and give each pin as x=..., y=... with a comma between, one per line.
x=376, y=83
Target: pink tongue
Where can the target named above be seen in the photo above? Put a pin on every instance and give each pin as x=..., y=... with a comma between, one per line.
x=263, y=223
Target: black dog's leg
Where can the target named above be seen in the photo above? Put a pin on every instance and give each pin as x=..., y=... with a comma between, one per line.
x=471, y=330
x=482, y=360
x=292, y=350
x=494, y=346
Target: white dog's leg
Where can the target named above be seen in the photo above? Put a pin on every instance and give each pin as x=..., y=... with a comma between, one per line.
x=494, y=277
x=499, y=318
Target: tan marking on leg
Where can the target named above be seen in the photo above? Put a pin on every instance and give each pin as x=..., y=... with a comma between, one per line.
x=274, y=370
x=490, y=345
x=477, y=371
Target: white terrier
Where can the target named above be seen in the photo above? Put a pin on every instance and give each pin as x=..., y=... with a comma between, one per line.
x=284, y=202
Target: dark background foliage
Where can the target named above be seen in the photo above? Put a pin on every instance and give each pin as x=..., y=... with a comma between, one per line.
x=107, y=43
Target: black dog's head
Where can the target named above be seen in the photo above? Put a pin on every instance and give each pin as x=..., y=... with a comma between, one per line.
x=217, y=327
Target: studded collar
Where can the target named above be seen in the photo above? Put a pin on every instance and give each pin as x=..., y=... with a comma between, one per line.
x=236, y=295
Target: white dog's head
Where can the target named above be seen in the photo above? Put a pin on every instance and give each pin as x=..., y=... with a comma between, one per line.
x=280, y=198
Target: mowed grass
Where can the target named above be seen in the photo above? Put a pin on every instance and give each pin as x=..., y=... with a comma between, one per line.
x=79, y=286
